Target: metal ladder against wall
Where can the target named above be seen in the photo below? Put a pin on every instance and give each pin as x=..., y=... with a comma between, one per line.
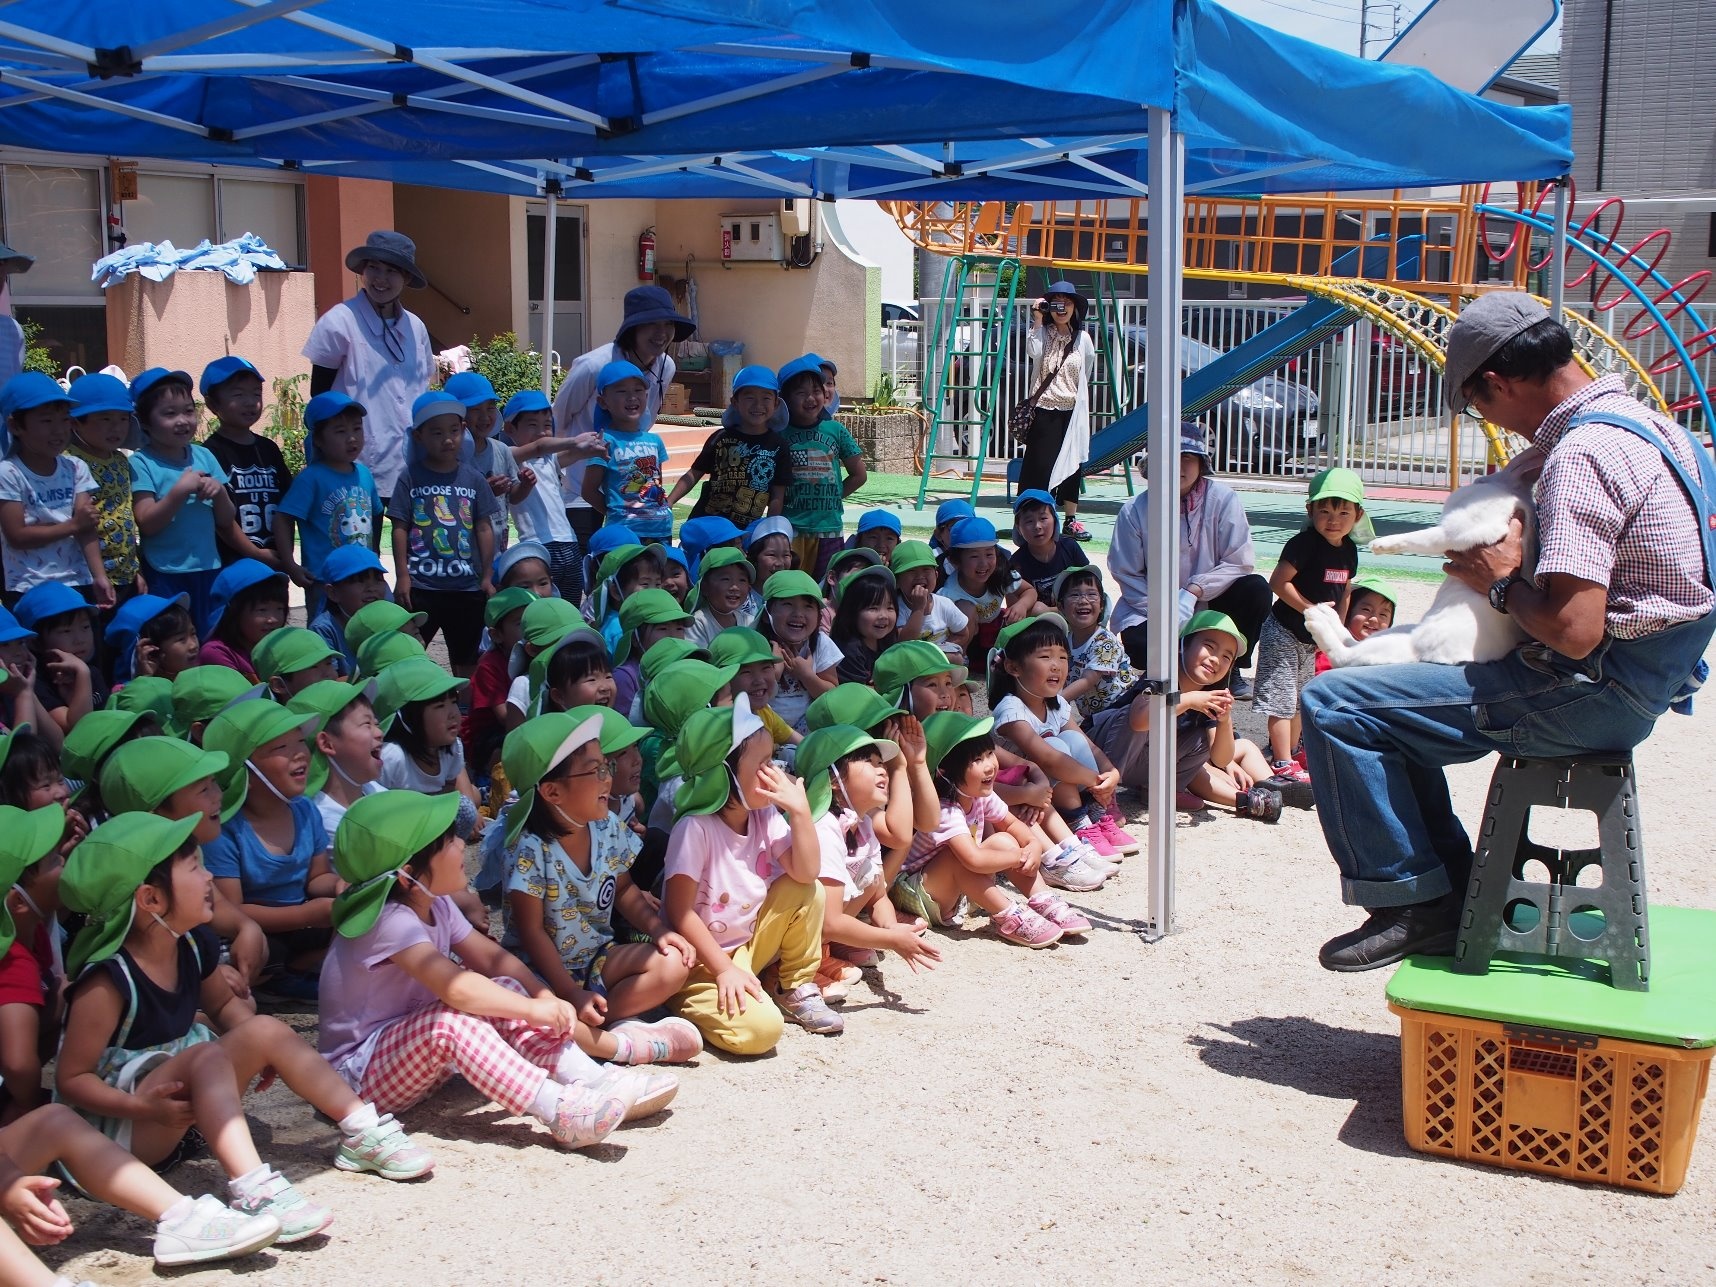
x=968, y=343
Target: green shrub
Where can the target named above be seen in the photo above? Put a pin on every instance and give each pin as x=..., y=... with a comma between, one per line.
x=285, y=422
x=36, y=355
x=509, y=368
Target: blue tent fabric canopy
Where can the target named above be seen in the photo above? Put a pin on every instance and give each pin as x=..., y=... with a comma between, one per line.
x=616, y=101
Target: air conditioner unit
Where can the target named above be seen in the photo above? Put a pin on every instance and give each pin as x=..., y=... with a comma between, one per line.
x=798, y=219
x=752, y=237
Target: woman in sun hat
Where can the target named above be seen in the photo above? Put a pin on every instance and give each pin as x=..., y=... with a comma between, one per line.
x=1063, y=360
x=372, y=350
x=650, y=324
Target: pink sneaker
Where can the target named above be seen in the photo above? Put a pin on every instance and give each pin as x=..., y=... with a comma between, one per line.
x=1291, y=770
x=1019, y=924
x=1302, y=759
x=1054, y=909
x=1118, y=837
x=666, y=1041
x=1093, y=836
x=1190, y=802
x=862, y=957
x=587, y=1114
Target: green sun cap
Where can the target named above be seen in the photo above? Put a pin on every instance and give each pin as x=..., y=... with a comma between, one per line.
x=947, y=729
x=1210, y=619
x=102, y=875
x=664, y=654
x=680, y=692
x=1338, y=484
x=540, y=663
x=415, y=679
x=615, y=559
x=288, y=650
x=851, y=579
x=791, y=583
x=374, y=618
x=548, y=621
x=530, y=753
x=92, y=739
x=202, y=692
x=652, y=607
x=856, y=704
x=149, y=695
x=722, y=556
x=380, y=652
x=914, y=659
x=140, y=775
x=238, y=733
x=911, y=555
x=1363, y=581
x=702, y=748
x=26, y=837
x=1009, y=633
x=740, y=646
x=378, y=835
x=505, y=603
x=617, y=733
x=822, y=750
x=325, y=699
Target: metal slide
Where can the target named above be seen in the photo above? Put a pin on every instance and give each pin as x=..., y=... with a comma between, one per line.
x=1320, y=318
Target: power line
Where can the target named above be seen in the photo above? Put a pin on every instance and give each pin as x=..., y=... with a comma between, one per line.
x=1312, y=13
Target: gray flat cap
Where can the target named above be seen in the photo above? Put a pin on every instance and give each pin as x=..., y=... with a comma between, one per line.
x=1485, y=324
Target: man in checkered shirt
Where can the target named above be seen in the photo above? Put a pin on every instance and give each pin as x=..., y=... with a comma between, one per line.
x=1618, y=610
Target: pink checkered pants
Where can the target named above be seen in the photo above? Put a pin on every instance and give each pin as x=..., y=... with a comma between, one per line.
x=505, y=1059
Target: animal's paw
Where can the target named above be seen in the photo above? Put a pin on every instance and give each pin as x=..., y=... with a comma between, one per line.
x=1386, y=545
x=1325, y=626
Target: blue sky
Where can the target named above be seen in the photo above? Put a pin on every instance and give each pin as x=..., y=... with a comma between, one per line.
x=1336, y=22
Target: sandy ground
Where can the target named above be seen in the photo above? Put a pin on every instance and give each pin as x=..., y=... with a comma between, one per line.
x=1213, y=1107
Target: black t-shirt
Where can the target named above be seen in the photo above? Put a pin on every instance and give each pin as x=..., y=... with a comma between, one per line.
x=1321, y=573
x=738, y=470
x=257, y=478
x=50, y=698
x=1042, y=573
x=857, y=662
x=162, y=1016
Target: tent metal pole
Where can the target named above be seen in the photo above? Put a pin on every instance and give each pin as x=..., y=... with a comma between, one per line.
x=1558, y=253
x=1166, y=209
x=548, y=244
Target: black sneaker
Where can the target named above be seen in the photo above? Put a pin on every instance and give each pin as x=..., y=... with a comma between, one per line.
x=1240, y=687
x=1260, y=803
x=1391, y=934
x=1075, y=529
x=1294, y=793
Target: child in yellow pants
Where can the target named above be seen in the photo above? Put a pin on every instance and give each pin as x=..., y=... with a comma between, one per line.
x=741, y=870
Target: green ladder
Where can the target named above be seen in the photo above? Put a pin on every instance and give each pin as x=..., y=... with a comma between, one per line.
x=973, y=325
x=1110, y=388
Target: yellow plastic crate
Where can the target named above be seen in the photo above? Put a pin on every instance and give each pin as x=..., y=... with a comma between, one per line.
x=1598, y=1109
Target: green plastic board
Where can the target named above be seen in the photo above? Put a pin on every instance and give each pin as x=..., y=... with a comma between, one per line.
x=1575, y=996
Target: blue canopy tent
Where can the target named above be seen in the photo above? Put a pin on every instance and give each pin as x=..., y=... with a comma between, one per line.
x=826, y=98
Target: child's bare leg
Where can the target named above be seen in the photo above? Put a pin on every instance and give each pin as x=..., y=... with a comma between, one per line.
x=471, y=904
x=1297, y=733
x=1215, y=785
x=1052, y=830
x=54, y=1133
x=205, y=1075
x=639, y=977
x=947, y=880
x=1249, y=757
x=1280, y=737
x=264, y=1042
x=20, y=1058
x=1028, y=885
x=1067, y=796
x=18, y=1264
x=995, y=854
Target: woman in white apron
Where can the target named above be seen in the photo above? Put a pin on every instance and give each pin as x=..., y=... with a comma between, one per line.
x=1063, y=359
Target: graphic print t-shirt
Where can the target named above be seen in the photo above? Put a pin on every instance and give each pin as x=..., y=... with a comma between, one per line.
x=632, y=485
x=1321, y=575
x=46, y=498
x=441, y=512
x=814, y=505
x=738, y=470
x=333, y=508
x=256, y=479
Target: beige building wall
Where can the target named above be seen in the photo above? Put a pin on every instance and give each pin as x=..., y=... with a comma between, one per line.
x=464, y=247
x=192, y=318
x=779, y=313
x=613, y=261
x=338, y=215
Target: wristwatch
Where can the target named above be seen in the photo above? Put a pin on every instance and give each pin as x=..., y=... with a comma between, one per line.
x=1499, y=589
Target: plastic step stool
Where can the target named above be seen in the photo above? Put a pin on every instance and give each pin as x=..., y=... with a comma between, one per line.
x=1505, y=912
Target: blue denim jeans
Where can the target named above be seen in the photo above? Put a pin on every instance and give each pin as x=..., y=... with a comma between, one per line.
x=1075, y=744
x=1378, y=737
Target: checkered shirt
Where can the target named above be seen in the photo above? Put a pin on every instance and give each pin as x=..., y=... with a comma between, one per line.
x=1609, y=510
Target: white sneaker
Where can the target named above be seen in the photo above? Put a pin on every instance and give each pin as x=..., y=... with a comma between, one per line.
x=1095, y=861
x=211, y=1230
x=1069, y=870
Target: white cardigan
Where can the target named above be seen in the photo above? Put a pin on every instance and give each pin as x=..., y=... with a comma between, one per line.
x=1075, y=447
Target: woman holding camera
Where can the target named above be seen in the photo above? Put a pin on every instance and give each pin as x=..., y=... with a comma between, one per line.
x=1063, y=359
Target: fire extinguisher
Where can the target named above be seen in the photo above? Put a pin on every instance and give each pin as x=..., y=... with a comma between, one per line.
x=646, y=255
